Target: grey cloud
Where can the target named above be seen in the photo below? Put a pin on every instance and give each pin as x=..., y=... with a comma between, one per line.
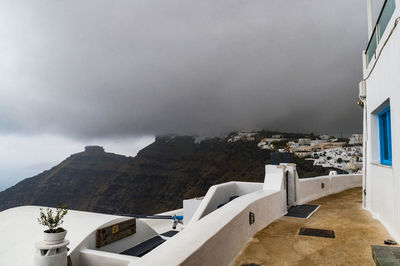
x=89, y=69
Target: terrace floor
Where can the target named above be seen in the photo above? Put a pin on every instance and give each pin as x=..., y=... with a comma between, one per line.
x=355, y=231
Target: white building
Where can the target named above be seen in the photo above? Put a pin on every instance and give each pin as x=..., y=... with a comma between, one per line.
x=266, y=144
x=356, y=139
x=379, y=96
x=293, y=144
x=304, y=142
x=242, y=136
x=315, y=142
x=325, y=137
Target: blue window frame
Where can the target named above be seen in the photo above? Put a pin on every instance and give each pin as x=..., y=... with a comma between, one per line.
x=385, y=137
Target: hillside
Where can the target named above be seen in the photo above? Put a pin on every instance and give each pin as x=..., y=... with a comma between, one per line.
x=156, y=180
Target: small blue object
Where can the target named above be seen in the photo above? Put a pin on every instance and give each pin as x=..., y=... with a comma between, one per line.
x=178, y=217
x=385, y=137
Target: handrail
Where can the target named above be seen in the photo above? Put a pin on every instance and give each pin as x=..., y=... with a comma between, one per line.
x=384, y=17
x=376, y=25
x=396, y=22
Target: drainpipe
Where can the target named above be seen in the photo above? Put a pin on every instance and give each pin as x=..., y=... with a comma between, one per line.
x=365, y=146
x=363, y=102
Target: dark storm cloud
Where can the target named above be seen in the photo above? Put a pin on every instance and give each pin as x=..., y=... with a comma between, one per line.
x=115, y=68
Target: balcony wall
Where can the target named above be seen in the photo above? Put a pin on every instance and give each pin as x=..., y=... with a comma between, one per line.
x=220, y=194
x=309, y=189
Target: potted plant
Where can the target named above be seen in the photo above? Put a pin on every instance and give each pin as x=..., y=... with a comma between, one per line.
x=52, y=220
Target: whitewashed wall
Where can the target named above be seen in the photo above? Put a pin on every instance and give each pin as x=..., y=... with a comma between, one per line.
x=110, y=252
x=309, y=189
x=81, y=228
x=219, y=236
x=90, y=257
x=221, y=193
x=189, y=208
x=382, y=183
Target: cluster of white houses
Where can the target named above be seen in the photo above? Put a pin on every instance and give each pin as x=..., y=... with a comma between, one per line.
x=216, y=227
x=325, y=151
x=348, y=159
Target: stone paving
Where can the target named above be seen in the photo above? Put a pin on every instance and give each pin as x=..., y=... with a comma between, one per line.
x=386, y=255
x=355, y=231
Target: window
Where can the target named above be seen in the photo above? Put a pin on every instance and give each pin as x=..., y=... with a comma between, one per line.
x=385, y=138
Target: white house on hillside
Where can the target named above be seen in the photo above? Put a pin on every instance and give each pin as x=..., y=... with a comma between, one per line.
x=356, y=139
x=380, y=98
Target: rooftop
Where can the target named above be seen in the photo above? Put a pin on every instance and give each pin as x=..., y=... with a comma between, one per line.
x=355, y=231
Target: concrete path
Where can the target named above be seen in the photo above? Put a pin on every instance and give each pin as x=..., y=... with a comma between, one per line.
x=355, y=231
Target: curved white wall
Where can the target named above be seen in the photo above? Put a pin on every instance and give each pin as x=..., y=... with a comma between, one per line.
x=111, y=251
x=221, y=193
x=17, y=246
x=309, y=189
x=219, y=236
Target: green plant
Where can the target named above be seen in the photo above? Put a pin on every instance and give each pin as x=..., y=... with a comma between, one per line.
x=52, y=219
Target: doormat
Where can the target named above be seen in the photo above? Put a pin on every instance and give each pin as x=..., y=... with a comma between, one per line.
x=170, y=233
x=302, y=211
x=316, y=232
x=144, y=247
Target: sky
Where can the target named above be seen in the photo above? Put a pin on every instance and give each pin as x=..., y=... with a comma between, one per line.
x=117, y=73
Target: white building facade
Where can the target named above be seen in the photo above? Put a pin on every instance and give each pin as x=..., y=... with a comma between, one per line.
x=356, y=139
x=380, y=98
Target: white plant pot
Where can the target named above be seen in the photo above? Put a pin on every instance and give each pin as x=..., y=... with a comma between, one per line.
x=54, y=238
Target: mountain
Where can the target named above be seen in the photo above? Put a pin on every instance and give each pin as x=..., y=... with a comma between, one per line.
x=157, y=179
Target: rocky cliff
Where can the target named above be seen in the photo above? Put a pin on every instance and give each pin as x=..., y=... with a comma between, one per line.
x=157, y=179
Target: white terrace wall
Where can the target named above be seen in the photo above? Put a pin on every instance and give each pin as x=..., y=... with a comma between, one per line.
x=221, y=193
x=17, y=247
x=87, y=254
x=190, y=206
x=217, y=237
x=309, y=189
x=91, y=257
